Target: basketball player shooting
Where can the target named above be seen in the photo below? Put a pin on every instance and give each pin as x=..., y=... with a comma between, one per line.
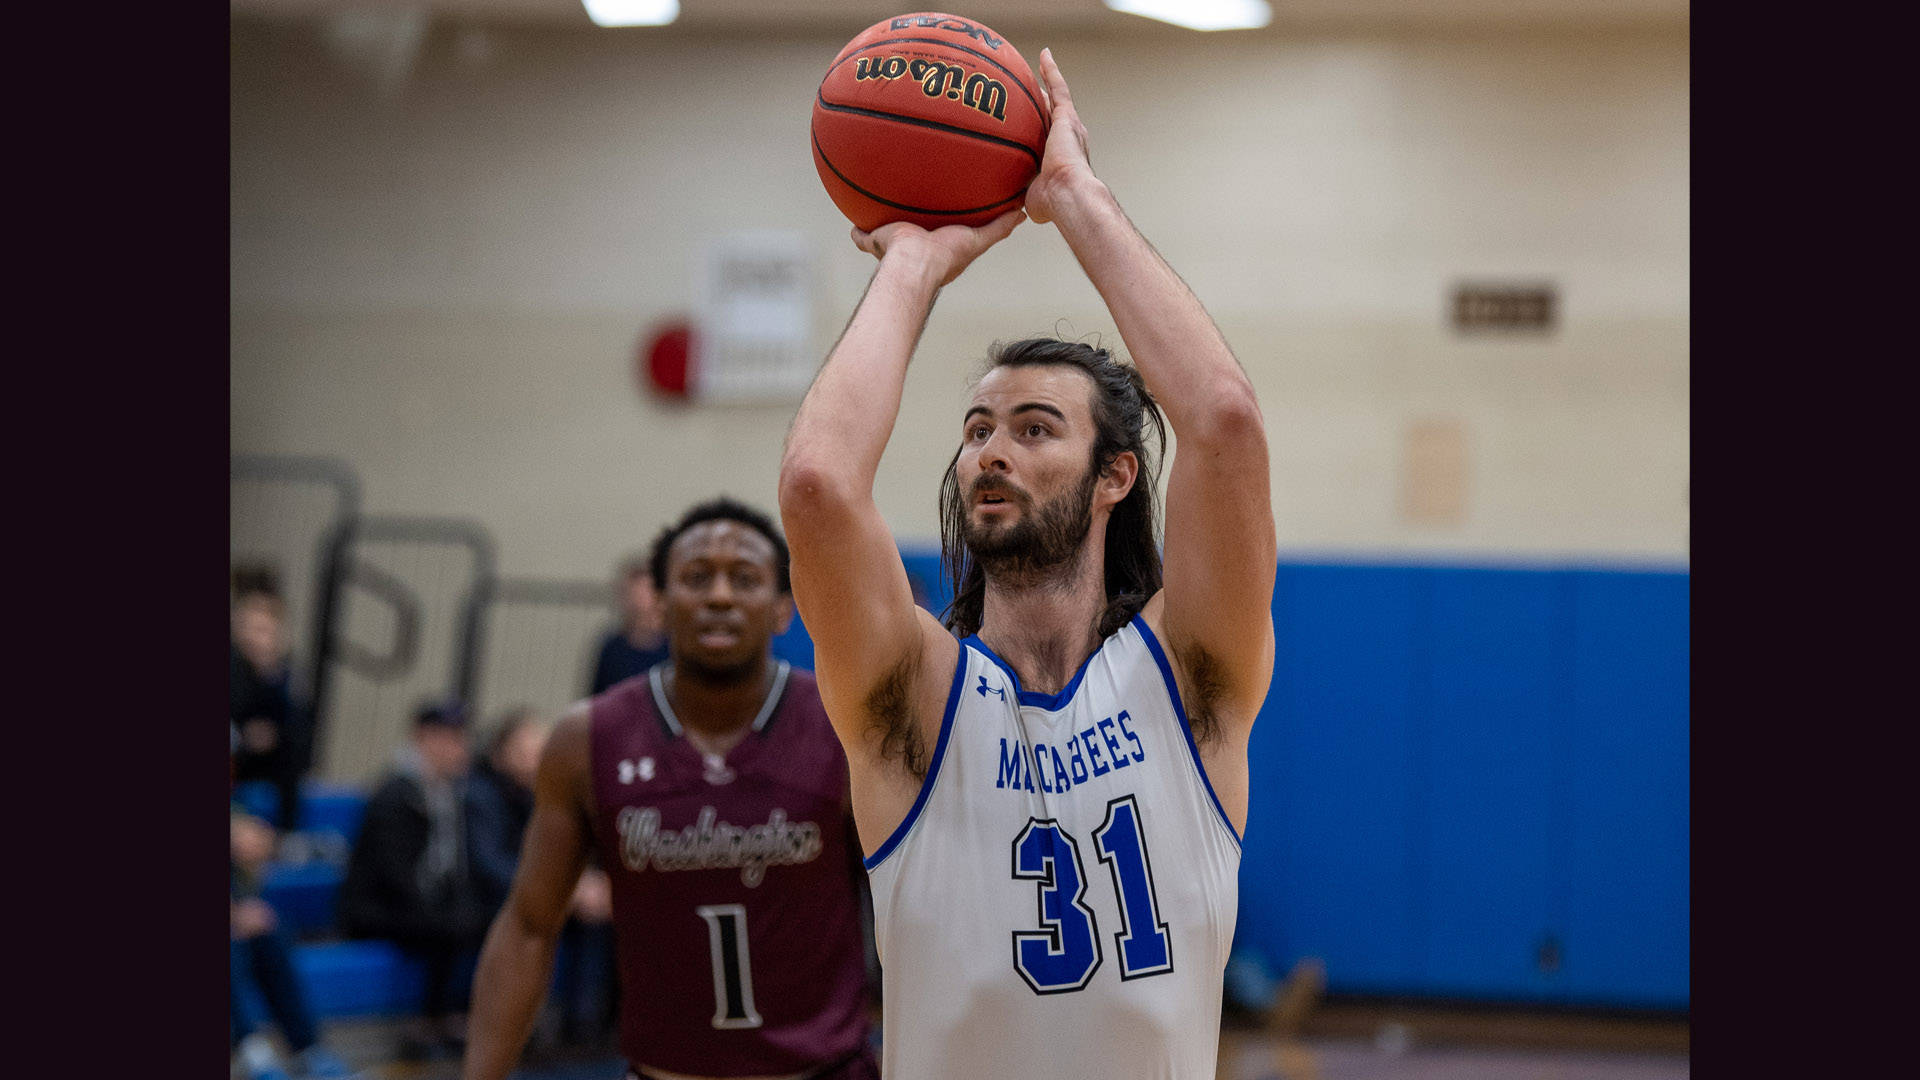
x=716, y=795
x=1050, y=795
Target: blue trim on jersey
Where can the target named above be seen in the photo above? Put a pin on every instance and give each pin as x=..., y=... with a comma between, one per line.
x=1049, y=702
x=1179, y=710
x=933, y=767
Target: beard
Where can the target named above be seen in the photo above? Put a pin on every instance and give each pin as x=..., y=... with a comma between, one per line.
x=1047, y=537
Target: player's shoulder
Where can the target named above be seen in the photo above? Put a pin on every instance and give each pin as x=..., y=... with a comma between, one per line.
x=802, y=714
x=621, y=703
x=801, y=698
x=572, y=733
x=621, y=716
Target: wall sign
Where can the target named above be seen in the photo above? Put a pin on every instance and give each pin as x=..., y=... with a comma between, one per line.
x=752, y=334
x=1505, y=307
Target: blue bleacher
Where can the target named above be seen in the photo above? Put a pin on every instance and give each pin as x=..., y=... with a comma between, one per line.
x=344, y=978
x=324, y=807
x=304, y=890
x=303, y=895
x=359, y=978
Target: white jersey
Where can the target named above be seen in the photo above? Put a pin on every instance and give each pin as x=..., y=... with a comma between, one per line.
x=1060, y=899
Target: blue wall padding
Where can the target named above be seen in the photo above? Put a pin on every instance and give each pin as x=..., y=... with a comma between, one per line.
x=1493, y=666
x=1364, y=624
x=1472, y=783
x=1627, y=790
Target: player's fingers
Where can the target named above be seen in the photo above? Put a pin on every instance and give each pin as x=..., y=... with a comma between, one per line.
x=863, y=240
x=1056, y=83
x=1001, y=227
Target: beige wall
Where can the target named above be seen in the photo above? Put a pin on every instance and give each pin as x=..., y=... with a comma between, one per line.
x=445, y=288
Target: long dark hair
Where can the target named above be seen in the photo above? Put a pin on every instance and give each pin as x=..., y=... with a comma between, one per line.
x=1122, y=412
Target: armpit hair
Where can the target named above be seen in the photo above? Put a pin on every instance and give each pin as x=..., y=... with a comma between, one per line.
x=1206, y=685
x=890, y=717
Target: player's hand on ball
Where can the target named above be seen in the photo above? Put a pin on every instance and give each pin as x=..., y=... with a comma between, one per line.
x=1065, y=161
x=949, y=248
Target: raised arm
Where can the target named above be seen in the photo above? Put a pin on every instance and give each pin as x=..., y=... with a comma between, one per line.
x=873, y=648
x=516, y=963
x=1215, y=610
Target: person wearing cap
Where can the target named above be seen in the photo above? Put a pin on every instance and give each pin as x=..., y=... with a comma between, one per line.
x=410, y=879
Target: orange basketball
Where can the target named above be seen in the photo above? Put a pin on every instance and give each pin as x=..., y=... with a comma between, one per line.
x=928, y=118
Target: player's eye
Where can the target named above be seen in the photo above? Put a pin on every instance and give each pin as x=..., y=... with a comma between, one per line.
x=1035, y=430
x=977, y=432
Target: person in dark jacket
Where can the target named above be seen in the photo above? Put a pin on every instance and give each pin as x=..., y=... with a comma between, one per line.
x=272, y=731
x=499, y=805
x=500, y=802
x=639, y=642
x=410, y=879
x=261, y=970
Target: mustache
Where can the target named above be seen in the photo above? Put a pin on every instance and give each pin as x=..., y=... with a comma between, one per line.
x=985, y=484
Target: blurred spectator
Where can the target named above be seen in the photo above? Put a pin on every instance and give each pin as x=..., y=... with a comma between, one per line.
x=499, y=805
x=271, y=730
x=500, y=802
x=586, y=983
x=638, y=642
x=261, y=968
x=410, y=878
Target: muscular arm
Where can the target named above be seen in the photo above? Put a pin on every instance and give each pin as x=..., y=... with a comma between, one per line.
x=516, y=963
x=873, y=648
x=1215, y=609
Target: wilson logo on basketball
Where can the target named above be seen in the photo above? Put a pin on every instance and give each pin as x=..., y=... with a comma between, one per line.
x=946, y=22
x=936, y=79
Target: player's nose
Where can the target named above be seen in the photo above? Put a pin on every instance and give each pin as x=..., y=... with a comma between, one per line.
x=994, y=455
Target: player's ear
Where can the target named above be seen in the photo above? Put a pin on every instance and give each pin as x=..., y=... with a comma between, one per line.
x=1118, y=478
x=782, y=614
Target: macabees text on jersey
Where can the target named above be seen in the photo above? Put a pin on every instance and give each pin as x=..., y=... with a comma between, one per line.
x=1022, y=768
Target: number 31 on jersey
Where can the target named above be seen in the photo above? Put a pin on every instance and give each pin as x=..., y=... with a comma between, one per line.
x=1064, y=953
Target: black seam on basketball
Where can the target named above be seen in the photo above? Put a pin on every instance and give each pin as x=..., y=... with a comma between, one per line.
x=904, y=206
x=1045, y=117
x=935, y=124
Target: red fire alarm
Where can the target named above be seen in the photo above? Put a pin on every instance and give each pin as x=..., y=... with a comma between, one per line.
x=664, y=360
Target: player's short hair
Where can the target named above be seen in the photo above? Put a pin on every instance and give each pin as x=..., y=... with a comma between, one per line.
x=251, y=580
x=1123, y=414
x=722, y=509
x=449, y=713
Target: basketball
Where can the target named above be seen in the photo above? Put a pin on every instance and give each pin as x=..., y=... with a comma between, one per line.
x=928, y=118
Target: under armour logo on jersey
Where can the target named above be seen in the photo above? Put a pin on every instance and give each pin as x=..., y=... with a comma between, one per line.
x=717, y=771
x=985, y=689
x=631, y=769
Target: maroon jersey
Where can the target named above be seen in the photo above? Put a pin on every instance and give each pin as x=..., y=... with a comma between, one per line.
x=736, y=914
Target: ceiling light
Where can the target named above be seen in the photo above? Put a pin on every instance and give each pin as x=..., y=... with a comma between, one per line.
x=632, y=12
x=1201, y=14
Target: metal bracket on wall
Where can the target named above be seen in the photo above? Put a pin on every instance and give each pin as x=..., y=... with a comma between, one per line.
x=399, y=659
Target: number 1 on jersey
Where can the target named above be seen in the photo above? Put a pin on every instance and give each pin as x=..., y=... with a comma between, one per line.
x=732, y=968
x=1145, y=947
